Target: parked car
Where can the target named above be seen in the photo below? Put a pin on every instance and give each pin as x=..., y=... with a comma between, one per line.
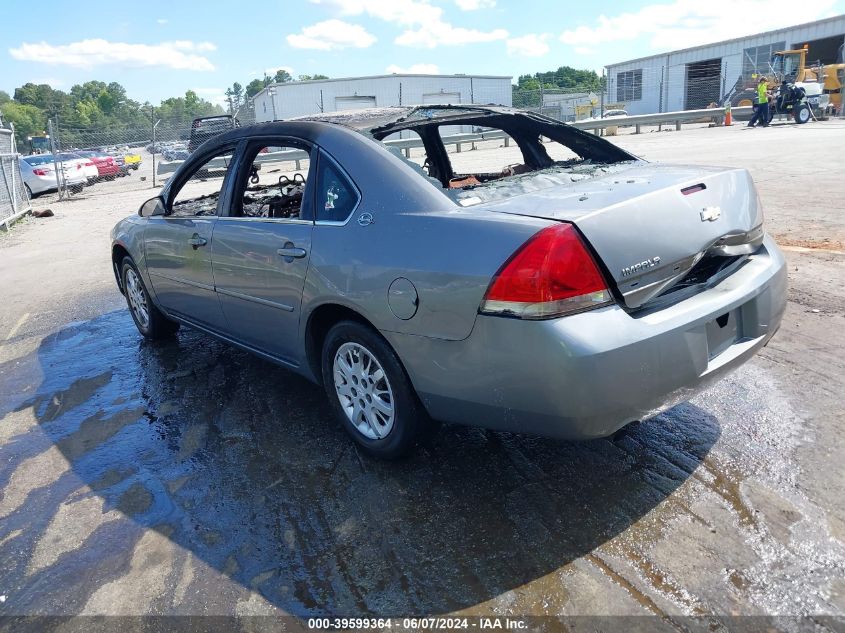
x=613, y=113
x=39, y=174
x=131, y=160
x=88, y=167
x=208, y=127
x=106, y=166
x=567, y=295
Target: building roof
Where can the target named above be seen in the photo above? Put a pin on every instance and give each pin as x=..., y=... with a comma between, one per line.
x=730, y=41
x=409, y=75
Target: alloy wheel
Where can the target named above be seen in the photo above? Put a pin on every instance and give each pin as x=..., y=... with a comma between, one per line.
x=137, y=298
x=364, y=391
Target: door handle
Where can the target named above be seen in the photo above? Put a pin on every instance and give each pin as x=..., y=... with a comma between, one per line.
x=196, y=241
x=291, y=252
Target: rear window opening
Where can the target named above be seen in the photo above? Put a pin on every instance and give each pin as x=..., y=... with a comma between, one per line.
x=481, y=157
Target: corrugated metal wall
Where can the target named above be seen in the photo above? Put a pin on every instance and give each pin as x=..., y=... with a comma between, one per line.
x=671, y=68
x=309, y=97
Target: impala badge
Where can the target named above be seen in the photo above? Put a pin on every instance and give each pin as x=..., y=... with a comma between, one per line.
x=710, y=214
x=640, y=266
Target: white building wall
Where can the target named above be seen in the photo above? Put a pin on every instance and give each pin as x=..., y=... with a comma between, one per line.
x=309, y=97
x=674, y=65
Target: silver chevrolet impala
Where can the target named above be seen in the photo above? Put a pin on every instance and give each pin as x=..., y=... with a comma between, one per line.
x=474, y=265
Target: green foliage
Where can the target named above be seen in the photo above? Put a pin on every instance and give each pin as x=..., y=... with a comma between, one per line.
x=27, y=119
x=311, y=77
x=282, y=76
x=94, y=113
x=527, y=91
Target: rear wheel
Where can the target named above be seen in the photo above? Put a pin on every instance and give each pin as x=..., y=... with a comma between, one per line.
x=149, y=320
x=28, y=190
x=371, y=393
x=802, y=113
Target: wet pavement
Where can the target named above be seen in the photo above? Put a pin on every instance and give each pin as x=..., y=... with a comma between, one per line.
x=152, y=475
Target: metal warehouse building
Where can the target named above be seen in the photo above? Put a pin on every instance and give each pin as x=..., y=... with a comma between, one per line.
x=298, y=98
x=696, y=77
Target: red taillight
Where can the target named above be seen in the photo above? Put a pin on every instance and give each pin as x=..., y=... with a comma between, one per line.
x=39, y=172
x=552, y=274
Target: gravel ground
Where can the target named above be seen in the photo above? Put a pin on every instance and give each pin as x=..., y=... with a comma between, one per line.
x=193, y=478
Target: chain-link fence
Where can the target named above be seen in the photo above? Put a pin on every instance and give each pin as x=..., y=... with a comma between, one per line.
x=14, y=200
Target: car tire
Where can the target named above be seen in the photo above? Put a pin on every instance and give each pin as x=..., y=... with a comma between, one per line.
x=359, y=367
x=28, y=190
x=150, y=321
x=802, y=113
x=76, y=188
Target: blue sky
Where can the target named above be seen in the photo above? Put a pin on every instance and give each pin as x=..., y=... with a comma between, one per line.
x=161, y=48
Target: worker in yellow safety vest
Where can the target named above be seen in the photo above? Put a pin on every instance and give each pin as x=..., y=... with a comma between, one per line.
x=761, y=107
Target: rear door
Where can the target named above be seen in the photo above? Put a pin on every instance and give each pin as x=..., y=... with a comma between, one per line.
x=262, y=247
x=178, y=245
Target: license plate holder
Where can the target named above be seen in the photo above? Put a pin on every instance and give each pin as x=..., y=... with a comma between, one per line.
x=723, y=331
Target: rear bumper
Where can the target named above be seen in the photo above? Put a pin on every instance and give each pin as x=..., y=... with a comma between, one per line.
x=589, y=374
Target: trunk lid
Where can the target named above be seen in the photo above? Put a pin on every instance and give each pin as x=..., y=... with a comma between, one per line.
x=648, y=224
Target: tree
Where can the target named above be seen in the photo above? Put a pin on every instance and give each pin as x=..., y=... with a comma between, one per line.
x=282, y=76
x=28, y=120
x=312, y=77
x=235, y=94
x=4, y=97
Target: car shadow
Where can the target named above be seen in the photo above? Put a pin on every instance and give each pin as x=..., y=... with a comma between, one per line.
x=239, y=463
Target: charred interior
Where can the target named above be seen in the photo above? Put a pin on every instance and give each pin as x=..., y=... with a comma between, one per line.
x=531, y=133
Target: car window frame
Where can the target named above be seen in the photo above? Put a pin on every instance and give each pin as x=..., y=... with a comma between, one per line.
x=324, y=155
x=245, y=148
x=196, y=163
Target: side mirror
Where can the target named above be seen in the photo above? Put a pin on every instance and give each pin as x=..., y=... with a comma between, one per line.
x=152, y=207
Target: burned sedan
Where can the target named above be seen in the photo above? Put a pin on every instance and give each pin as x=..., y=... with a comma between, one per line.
x=547, y=282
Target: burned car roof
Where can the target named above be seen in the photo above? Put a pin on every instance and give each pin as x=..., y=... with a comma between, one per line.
x=372, y=119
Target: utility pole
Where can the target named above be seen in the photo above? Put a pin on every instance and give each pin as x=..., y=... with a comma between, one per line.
x=155, y=125
x=57, y=164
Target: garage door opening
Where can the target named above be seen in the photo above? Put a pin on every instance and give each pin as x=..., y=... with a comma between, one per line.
x=704, y=83
x=354, y=103
x=825, y=50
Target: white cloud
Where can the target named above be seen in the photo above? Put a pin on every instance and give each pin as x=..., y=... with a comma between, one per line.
x=686, y=23
x=473, y=5
x=531, y=45
x=331, y=35
x=444, y=34
x=414, y=69
x=405, y=12
x=162, y=21
x=180, y=55
x=424, y=21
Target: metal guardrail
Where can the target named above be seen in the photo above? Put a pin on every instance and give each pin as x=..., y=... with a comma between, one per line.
x=716, y=115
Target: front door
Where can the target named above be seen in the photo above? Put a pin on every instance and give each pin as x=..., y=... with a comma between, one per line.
x=262, y=248
x=178, y=245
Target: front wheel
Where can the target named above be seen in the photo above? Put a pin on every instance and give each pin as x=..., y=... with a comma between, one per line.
x=149, y=320
x=371, y=393
x=802, y=113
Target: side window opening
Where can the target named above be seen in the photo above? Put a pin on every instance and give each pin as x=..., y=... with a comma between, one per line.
x=496, y=155
x=336, y=196
x=274, y=184
x=200, y=193
x=408, y=145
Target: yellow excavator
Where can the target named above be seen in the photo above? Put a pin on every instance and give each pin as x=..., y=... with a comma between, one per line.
x=822, y=84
